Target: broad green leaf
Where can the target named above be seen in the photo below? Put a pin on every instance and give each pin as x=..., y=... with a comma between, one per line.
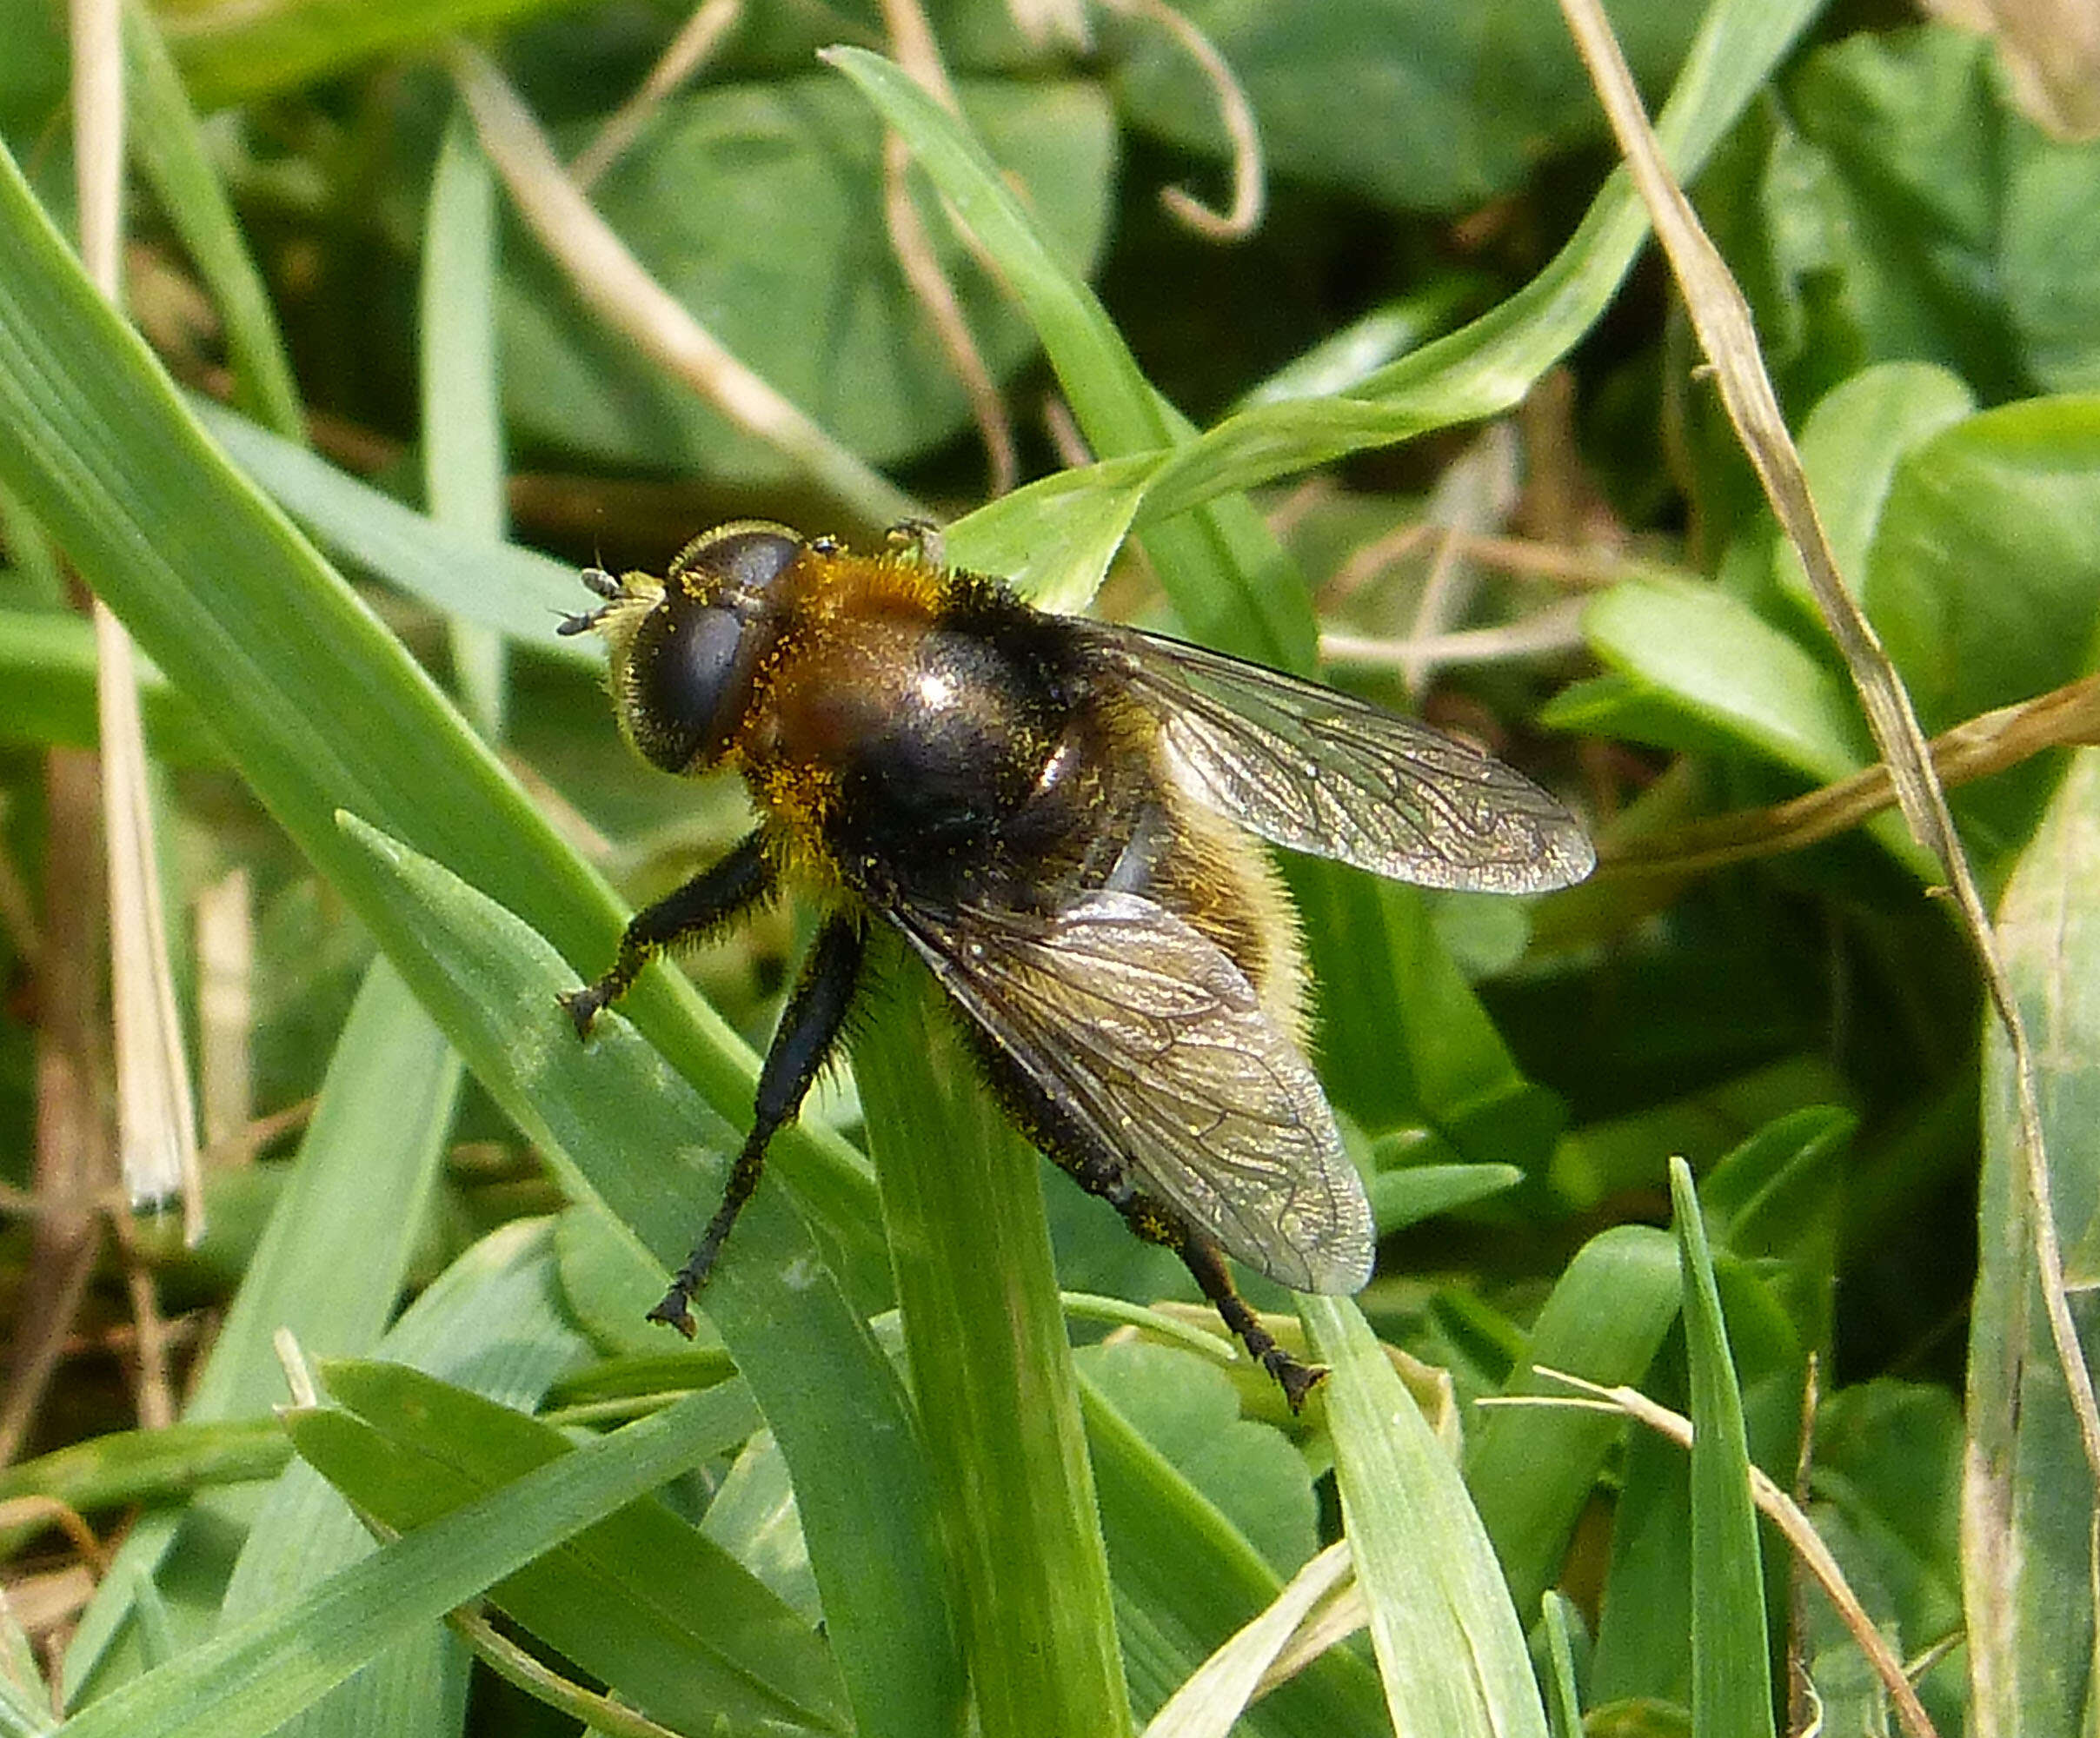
x=2028, y=1501
x=1448, y=109
x=760, y=206
x=2046, y=241
x=1980, y=580
x=1918, y=215
x=1187, y=1409
x=1731, y=673
x=1851, y=446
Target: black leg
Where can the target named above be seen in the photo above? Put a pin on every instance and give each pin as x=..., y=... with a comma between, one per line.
x=809, y=1027
x=709, y=900
x=1108, y=1174
x=1157, y=1223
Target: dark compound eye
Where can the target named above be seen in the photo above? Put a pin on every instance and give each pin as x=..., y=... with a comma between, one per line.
x=687, y=673
x=735, y=563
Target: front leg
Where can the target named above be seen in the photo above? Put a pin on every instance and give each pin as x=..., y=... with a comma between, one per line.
x=809, y=1028
x=696, y=911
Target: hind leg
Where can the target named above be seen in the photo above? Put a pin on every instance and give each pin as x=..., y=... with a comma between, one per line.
x=1157, y=1223
x=1102, y=1172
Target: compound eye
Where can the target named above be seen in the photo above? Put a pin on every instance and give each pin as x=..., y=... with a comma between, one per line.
x=685, y=683
x=743, y=561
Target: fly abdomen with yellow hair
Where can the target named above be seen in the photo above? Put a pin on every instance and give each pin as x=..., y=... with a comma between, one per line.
x=1056, y=814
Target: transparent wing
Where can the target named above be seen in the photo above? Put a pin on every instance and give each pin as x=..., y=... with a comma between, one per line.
x=1153, y=1042
x=1318, y=771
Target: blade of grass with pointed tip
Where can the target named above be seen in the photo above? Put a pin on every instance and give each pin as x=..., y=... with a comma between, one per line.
x=318, y=706
x=493, y=1319
x=330, y=1264
x=248, y=1681
x=642, y=1600
x=1732, y=1695
x=614, y=1120
x=1448, y=1646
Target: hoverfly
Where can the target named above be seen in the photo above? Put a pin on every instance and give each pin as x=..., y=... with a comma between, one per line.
x=1056, y=814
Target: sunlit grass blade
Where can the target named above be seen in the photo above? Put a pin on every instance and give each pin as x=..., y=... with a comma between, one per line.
x=248, y=1681
x=330, y=1265
x=991, y=1374
x=1448, y=1646
x=642, y=1600
x=1732, y=1691
x=172, y=151
x=1230, y=580
x=515, y=590
x=614, y=1121
x=493, y=1319
x=1531, y=1470
x=463, y=414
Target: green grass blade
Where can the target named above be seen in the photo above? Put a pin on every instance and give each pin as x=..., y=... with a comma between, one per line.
x=1479, y=371
x=463, y=420
x=1531, y=1469
x=1448, y=1646
x=616, y=1122
x=318, y=706
x=126, y=1467
x=991, y=1373
x=1563, y=1704
x=642, y=1600
x=1229, y=580
x=2028, y=1504
x=331, y=1262
x=494, y=1320
x=248, y=1681
x=517, y=591
x=1732, y=1691
x=172, y=152
x=47, y=691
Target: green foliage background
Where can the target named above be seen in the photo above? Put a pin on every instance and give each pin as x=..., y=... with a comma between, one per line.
x=878, y=1496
